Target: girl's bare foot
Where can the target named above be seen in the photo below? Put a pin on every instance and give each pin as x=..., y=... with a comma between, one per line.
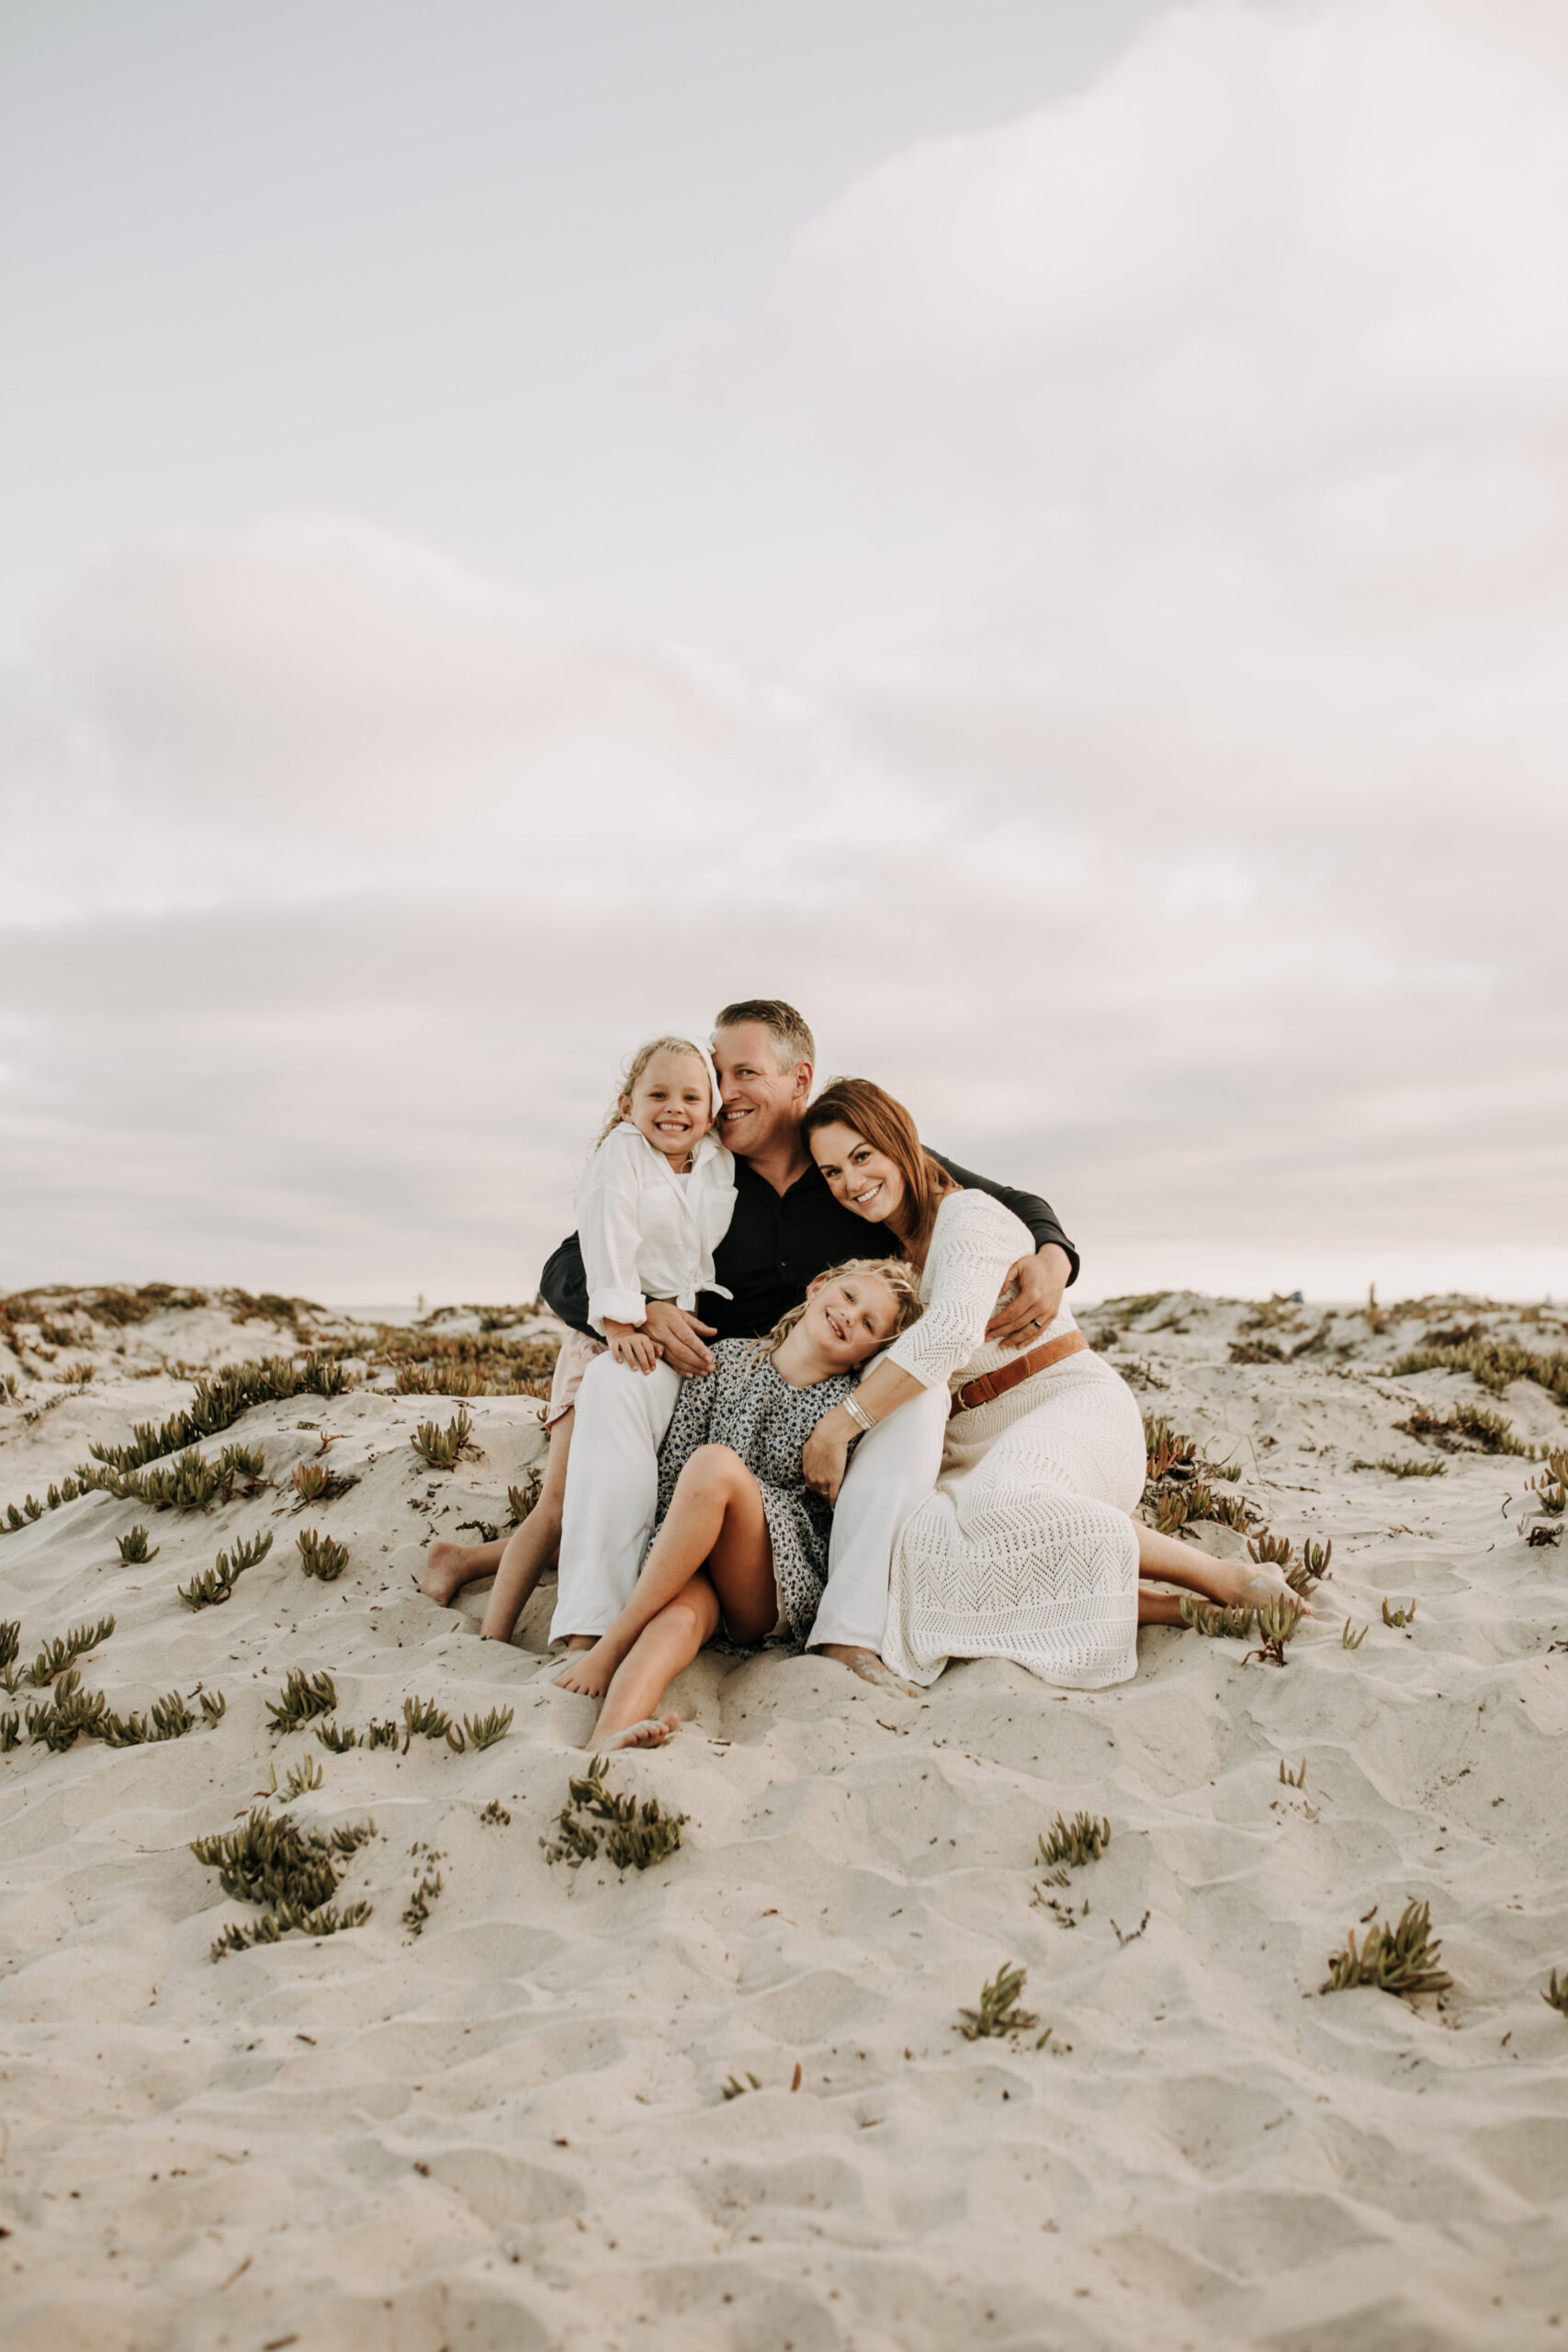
x=869, y=1667
x=447, y=1567
x=653, y=1731
x=590, y=1671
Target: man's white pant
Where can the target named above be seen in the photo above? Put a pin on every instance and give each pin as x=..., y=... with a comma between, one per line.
x=612, y=1491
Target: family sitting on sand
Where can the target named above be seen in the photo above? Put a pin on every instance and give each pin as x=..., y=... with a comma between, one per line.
x=900, y=1448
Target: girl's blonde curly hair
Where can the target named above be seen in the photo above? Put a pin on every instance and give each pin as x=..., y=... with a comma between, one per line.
x=902, y=1278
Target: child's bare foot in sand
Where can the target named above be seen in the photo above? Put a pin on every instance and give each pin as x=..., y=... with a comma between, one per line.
x=591, y=1671
x=869, y=1667
x=449, y=1567
x=653, y=1731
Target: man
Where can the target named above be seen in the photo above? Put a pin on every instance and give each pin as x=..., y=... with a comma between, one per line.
x=786, y=1228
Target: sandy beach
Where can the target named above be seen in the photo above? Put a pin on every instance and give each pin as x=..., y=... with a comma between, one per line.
x=495, y=2114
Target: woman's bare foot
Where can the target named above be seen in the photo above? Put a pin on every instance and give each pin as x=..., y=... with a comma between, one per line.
x=653, y=1731
x=449, y=1567
x=591, y=1671
x=1246, y=1584
x=869, y=1667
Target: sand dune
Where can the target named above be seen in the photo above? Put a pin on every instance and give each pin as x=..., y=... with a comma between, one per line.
x=510, y=2129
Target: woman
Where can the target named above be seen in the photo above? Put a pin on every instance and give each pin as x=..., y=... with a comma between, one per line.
x=1027, y=1549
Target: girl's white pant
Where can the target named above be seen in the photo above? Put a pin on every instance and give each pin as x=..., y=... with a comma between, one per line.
x=612, y=1489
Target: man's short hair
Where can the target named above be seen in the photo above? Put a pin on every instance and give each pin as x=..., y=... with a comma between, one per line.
x=793, y=1041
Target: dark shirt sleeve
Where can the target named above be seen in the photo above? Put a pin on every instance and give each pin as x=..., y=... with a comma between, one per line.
x=1028, y=1207
x=563, y=1286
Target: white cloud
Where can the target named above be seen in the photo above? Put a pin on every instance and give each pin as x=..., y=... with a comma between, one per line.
x=1166, y=496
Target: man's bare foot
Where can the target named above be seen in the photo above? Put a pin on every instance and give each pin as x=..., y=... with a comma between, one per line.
x=653, y=1731
x=869, y=1667
x=590, y=1671
x=1246, y=1584
x=447, y=1567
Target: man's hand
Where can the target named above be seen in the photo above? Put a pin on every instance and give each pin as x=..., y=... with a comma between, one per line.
x=680, y=1336
x=1041, y=1279
x=826, y=1454
x=629, y=1343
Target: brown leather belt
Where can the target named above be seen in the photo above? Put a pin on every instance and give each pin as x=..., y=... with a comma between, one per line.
x=996, y=1383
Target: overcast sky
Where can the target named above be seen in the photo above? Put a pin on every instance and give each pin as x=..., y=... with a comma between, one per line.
x=1037, y=531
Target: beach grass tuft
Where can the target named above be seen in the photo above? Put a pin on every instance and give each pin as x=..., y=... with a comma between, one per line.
x=293, y=1871
x=485, y=1730
x=305, y=1775
x=441, y=1447
x=632, y=1839
x=1491, y=1362
x=321, y=1556
x=1402, y=1959
x=63, y=1650
x=1401, y=1616
x=1073, y=1843
x=998, y=2012
x=338, y=1737
x=133, y=1551
x=1277, y=1622
x=190, y=1482
x=1209, y=1618
x=1351, y=1641
x=1464, y=1427
x=305, y=1696
x=216, y=1583
x=522, y=1499
x=424, y=1894
x=423, y=1718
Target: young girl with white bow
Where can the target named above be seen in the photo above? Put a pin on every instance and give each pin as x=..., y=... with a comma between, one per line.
x=653, y=1203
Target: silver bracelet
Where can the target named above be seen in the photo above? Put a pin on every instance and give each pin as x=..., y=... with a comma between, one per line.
x=858, y=1413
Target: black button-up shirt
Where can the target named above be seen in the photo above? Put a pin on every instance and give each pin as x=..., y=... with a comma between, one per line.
x=778, y=1242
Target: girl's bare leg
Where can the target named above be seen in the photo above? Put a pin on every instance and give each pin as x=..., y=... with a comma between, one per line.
x=664, y=1648
x=715, y=1520
x=1231, y=1583
x=531, y=1547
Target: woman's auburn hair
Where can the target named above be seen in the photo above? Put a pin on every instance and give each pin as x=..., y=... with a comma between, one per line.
x=888, y=1127
x=900, y=1277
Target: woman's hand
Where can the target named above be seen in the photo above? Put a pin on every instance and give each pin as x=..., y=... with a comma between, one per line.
x=826, y=1454
x=1041, y=1279
x=630, y=1344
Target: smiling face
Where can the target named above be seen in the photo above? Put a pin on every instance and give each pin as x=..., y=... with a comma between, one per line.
x=848, y=1317
x=762, y=1103
x=672, y=1103
x=864, y=1179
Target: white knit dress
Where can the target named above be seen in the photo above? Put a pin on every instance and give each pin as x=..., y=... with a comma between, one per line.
x=1026, y=1549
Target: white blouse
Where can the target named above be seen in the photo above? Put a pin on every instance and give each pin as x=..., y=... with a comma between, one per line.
x=646, y=1232
x=974, y=1243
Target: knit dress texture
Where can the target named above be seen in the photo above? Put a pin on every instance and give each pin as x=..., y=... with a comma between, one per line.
x=1026, y=1549
x=745, y=1405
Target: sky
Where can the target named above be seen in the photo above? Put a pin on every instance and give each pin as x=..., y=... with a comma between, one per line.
x=1036, y=533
